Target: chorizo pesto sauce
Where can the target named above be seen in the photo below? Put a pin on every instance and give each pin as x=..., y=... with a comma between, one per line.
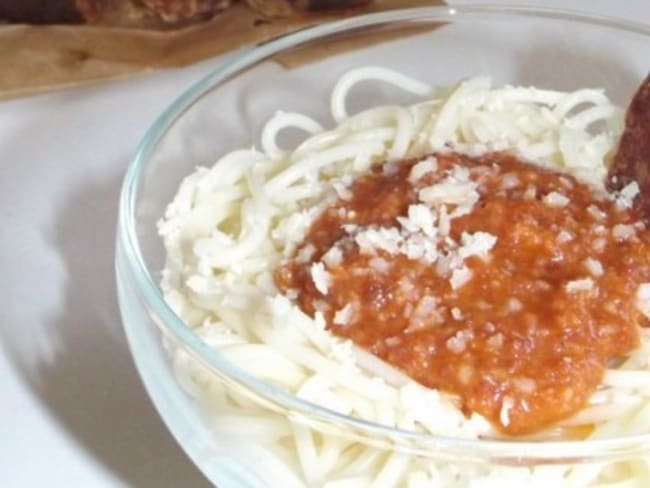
x=525, y=339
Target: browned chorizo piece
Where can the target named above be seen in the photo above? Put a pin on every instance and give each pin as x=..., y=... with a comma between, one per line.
x=50, y=11
x=134, y=13
x=632, y=160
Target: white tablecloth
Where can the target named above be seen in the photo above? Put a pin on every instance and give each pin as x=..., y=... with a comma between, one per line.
x=72, y=409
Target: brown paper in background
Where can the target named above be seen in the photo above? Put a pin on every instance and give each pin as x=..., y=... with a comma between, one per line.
x=41, y=58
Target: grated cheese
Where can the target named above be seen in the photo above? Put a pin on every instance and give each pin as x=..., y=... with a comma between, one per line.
x=458, y=342
x=596, y=213
x=476, y=244
x=514, y=305
x=456, y=313
x=625, y=197
x=421, y=168
x=344, y=315
x=371, y=239
x=622, y=232
x=422, y=218
x=599, y=244
x=305, y=254
x=333, y=257
x=379, y=264
x=530, y=193
x=456, y=189
x=556, y=200
x=509, y=181
x=342, y=191
x=459, y=277
x=418, y=246
x=444, y=222
x=504, y=415
x=576, y=286
x=320, y=277
x=594, y=267
x=564, y=236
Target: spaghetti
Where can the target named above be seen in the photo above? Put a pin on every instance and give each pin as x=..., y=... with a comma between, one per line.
x=231, y=225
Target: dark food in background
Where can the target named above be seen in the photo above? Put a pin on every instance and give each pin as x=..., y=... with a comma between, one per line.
x=50, y=11
x=118, y=12
x=632, y=160
x=130, y=12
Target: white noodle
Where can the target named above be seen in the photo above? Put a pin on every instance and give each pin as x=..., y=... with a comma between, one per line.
x=352, y=77
x=280, y=121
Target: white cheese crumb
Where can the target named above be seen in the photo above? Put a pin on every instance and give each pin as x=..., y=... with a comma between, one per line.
x=333, y=257
x=530, y=193
x=426, y=306
x=444, y=223
x=456, y=189
x=421, y=168
x=456, y=313
x=379, y=264
x=476, y=244
x=292, y=294
x=385, y=238
x=509, y=181
x=599, y=244
x=422, y=218
x=320, y=277
x=564, y=236
x=419, y=246
x=342, y=191
x=526, y=385
x=596, y=213
x=556, y=200
x=566, y=182
x=643, y=299
x=459, y=277
x=446, y=192
x=344, y=315
x=599, y=230
x=575, y=286
x=622, y=232
x=504, y=414
x=594, y=267
x=458, y=342
x=625, y=197
x=496, y=340
x=393, y=341
x=305, y=254
x=514, y=305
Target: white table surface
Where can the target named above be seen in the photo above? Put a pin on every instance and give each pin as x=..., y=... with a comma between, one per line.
x=73, y=412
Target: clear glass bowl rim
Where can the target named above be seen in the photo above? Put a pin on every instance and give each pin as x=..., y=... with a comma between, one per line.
x=151, y=294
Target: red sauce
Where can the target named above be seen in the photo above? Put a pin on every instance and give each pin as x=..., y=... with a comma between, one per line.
x=521, y=342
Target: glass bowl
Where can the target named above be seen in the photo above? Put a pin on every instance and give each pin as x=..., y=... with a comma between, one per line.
x=225, y=111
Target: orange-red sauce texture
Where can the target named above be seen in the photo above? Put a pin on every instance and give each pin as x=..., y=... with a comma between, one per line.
x=516, y=343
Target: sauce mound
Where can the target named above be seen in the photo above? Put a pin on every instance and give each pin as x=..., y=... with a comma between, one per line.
x=508, y=285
